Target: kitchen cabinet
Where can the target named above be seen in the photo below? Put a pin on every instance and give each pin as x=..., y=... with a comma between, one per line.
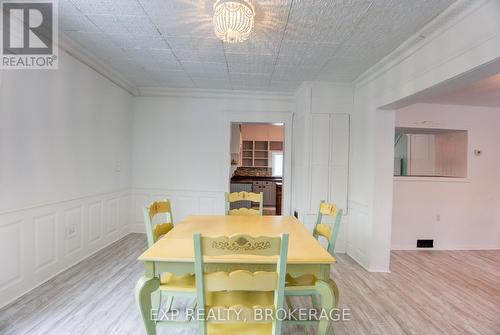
x=268, y=188
x=257, y=153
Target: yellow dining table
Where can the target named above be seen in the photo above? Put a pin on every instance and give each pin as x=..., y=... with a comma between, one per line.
x=175, y=253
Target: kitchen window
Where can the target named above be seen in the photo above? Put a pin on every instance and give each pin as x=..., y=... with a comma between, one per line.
x=277, y=163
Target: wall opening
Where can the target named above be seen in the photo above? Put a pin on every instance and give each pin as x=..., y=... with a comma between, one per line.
x=257, y=163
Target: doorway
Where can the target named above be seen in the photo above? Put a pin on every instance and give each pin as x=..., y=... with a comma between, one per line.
x=257, y=163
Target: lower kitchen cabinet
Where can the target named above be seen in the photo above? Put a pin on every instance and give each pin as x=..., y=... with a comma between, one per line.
x=268, y=188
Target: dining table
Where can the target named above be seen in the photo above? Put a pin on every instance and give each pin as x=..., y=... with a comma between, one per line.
x=174, y=253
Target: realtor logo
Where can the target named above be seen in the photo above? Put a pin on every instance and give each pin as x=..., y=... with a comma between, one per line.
x=29, y=35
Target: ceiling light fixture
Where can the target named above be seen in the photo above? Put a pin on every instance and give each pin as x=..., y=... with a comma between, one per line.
x=233, y=20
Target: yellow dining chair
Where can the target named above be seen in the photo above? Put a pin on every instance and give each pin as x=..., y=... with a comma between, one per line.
x=329, y=231
x=170, y=285
x=304, y=285
x=155, y=231
x=240, y=295
x=244, y=196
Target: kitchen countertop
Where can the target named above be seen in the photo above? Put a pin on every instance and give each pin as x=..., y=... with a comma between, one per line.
x=249, y=179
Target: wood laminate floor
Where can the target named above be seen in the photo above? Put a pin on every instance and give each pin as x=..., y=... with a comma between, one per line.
x=445, y=292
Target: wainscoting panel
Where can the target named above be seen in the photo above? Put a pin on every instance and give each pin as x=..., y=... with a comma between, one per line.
x=358, y=232
x=10, y=253
x=38, y=242
x=183, y=202
x=112, y=215
x=95, y=221
x=208, y=205
x=142, y=200
x=73, y=219
x=45, y=251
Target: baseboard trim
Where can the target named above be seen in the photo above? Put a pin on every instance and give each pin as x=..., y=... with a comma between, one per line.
x=445, y=249
x=379, y=270
x=137, y=228
x=357, y=261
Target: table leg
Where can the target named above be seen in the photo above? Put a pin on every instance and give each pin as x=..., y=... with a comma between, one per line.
x=143, y=289
x=335, y=290
x=327, y=303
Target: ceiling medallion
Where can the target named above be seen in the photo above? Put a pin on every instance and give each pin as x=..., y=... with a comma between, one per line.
x=233, y=20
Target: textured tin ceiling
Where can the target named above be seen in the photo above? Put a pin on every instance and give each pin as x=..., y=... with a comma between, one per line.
x=171, y=43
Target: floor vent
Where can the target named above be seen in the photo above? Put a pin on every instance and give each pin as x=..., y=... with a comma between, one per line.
x=425, y=243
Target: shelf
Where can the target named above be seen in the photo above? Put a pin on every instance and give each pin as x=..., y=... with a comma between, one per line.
x=257, y=153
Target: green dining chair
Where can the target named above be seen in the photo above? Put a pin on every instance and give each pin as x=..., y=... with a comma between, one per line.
x=244, y=196
x=171, y=285
x=304, y=285
x=250, y=293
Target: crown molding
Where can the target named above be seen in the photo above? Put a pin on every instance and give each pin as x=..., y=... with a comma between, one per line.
x=444, y=21
x=87, y=58
x=214, y=94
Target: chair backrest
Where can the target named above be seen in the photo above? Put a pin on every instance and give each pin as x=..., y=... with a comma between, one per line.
x=329, y=231
x=239, y=280
x=154, y=231
x=244, y=196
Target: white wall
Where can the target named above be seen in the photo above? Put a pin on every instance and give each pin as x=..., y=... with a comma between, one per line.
x=467, y=209
x=181, y=148
x=63, y=135
x=457, y=42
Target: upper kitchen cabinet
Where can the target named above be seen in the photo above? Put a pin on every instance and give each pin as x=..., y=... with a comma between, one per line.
x=259, y=141
x=275, y=133
x=261, y=132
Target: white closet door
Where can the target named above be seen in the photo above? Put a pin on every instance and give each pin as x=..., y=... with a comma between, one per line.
x=339, y=160
x=320, y=157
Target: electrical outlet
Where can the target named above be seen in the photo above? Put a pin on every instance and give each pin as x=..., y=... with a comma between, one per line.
x=438, y=217
x=70, y=231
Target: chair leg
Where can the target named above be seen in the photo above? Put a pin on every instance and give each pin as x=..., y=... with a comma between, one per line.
x=315, y=303
x=143, y=290
x=156, y=300
x=168, y=305
x=288, y=302
x=335, y=290
x=326, y=291
x=193, y=305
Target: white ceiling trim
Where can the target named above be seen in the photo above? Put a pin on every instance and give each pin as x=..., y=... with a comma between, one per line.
x=88, y=59
x=214, y=94
x=448, y=18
